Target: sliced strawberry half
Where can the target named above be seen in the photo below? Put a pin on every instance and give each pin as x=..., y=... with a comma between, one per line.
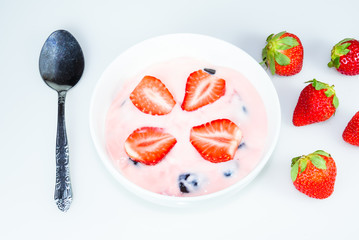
x=149, y=145
x=216, y=141
x=152, y=97
x=202, y=89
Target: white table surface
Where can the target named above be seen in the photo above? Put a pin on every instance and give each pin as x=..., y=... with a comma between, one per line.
x=269, y=208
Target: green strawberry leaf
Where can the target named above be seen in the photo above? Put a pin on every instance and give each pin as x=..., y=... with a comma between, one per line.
x=294, y=171
x=271, y=63
x=318, y=85
x=281, y=59
x=342, y=49
x=321, y=152
x=294, y=160
x=269, y=37
x=317, y=161
x=289, y=41
x=277, y=36
x=264, y=55
x=335, y=101
x=329, y=92
x=336, y=62
x=344, y=40
x=282, y=47
x=311, y=81
x=303, y=164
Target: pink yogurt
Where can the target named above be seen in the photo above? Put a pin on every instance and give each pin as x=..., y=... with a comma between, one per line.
x=183, y=172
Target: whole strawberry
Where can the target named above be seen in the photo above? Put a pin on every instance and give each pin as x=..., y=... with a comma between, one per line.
x=345, y=57
x=351, y=132
x=317, y=102
x=283, y=54
x=314, y=174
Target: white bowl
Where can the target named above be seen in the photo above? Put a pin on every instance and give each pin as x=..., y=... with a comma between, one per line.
x=164, y=48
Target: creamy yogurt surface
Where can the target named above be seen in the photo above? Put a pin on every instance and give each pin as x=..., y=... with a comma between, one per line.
x=183, y=166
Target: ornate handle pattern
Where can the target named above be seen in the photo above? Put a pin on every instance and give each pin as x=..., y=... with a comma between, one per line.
x=63, y=189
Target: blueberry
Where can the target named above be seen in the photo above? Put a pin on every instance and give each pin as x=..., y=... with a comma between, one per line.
x=187, y=182
x=241, y=105
x=123, y=103
x=241, y=145
x=133, y=161
x=228, y=173
x=244, y=109
x=230, y=168
x=210, y=71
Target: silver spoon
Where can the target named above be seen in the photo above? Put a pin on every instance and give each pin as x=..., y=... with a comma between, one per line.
x=61, y=66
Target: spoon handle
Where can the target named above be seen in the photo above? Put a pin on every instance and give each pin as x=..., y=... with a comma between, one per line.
x=63, y=189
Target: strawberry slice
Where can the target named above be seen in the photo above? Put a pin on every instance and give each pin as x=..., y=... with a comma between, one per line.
x=216, y=141
x=152, y=97
x=149, y=145
x=202, y=88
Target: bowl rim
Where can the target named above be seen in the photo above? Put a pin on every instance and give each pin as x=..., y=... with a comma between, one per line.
x=183, y=201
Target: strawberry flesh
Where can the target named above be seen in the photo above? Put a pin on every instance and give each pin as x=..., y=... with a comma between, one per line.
x=216, y=141
x=202, y=89
x=152, y=97
x=149, y=145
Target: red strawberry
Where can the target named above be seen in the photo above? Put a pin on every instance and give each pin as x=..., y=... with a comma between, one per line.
x=149, y=145
x=283, y=54
x=317, y=102
x=216, y=141
x=345, y=57
x=314, y=174
x=202, y=88
x=351, y=132
x=152, y=97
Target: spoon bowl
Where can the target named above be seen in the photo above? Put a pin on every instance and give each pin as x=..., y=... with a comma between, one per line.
x=61, y=65
x=61, y=61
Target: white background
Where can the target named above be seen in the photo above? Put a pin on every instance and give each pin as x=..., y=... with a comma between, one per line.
x=269, y=208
